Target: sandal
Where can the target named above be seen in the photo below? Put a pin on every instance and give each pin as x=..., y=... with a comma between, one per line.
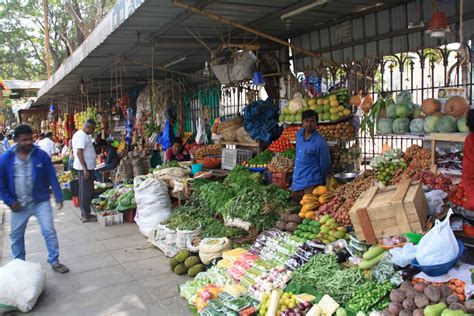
x=59, y=267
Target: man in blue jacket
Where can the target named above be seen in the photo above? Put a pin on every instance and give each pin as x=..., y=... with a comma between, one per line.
x=313, y=160
x=26, y=176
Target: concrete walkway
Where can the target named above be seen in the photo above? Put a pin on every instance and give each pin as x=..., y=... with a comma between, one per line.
x=114, y=271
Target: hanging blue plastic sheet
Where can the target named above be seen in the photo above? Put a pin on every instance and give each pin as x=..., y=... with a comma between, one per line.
x=261, y=121
x=165, y=139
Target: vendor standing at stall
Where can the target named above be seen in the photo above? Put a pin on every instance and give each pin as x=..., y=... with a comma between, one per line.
x=468, y=163
x=313, y=160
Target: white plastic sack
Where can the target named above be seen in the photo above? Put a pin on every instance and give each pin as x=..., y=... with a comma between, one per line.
x=435, y=201
x=153, y=203
x=201, y=135
x=21, y=283
x=402, y=256
x=439, y=245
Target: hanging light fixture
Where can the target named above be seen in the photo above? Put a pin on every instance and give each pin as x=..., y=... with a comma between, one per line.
x=438, y=26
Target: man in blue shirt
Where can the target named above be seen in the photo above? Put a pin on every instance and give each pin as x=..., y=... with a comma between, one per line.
x=313, y=160
x=26, y=176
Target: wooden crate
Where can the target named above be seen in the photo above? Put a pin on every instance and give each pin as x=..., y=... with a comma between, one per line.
x=389, y=212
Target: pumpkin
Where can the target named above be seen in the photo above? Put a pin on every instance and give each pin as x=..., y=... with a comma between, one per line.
x=366, y=103
x=430, y=106
x=456, y=106
x=355, y=100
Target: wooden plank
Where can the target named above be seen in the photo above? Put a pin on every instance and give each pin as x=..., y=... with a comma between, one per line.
x=449, y=137
x=398, y=201
x=366, y=226
x=241, y=144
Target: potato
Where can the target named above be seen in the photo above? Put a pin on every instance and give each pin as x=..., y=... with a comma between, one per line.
x=406, y=285
x=457, y=306
x=453, y=298
x=397, y=295
x=291, y=227
x=395, y=308
x=469, y=306
x=418, y=312
x=419, y=287
x=410, y=293
x=295, y=219
x=409, y=304
x=280, y=225
x=433, y=293
x=405, y=313
x=445, y=291
x=386, y=312
x=421, y=300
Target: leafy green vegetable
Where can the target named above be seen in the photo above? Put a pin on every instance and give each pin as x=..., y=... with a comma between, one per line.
x=289, y=153
x=262, y=158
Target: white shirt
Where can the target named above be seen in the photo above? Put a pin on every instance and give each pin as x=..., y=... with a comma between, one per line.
x=64, y=150
x=80, y=140
x=48, y=146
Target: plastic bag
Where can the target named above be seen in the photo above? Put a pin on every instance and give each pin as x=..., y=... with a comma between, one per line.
x=166, y=135
x=439, y=245
x=402, y=256
x=21, y=283
x=211, y=248
x=435, y=201
x=201, y=135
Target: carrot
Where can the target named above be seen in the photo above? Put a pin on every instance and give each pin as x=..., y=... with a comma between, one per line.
x=452, y=281
x=462, y=298
x=458, y=283
x=459, y=290
x=452, y=287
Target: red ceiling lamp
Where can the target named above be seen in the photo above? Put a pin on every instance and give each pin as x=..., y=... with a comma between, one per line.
x=438, y=26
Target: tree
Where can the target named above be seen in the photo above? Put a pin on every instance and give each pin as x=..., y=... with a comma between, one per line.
x=22, y=33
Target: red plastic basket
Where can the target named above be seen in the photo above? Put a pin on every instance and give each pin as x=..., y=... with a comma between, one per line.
x=129, y=215
x=281, y=179
x=75, y=200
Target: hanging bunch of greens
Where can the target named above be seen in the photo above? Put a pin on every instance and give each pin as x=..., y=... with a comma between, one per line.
x=371, y=118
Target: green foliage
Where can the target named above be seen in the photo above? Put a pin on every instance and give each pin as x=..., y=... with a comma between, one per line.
x=22, y=53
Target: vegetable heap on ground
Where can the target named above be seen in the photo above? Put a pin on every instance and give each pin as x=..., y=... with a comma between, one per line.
x=241, y=196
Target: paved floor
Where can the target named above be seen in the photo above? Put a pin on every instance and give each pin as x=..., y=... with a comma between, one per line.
x=114, y=271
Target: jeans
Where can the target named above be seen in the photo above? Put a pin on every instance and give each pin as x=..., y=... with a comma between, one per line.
x=86, y=192
x=44, y=215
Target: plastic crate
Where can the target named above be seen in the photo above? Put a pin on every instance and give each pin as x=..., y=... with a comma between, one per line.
x=281, y=179
x=129, y=215
x=109, y=220
x=233, y=157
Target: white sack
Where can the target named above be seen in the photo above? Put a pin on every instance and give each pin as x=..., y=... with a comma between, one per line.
x=153, y=203
x=21, y=283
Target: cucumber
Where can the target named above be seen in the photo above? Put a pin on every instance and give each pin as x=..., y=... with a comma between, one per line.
x=367, y=264
x=373, y=252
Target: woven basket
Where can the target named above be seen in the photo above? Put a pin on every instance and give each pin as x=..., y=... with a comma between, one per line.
x=233, y=124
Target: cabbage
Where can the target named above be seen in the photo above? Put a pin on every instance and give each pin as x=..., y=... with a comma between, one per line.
x=417, y=126
x=297, y=103
x=431, y=124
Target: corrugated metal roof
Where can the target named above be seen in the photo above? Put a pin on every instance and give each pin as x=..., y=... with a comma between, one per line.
x=125, y=36
x=382, y=33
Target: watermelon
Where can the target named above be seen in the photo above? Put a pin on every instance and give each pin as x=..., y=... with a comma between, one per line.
x=385, y=126
x=447, y=124
x=417, y=113
x=431, y=123
x=401, y=125
x=391, y=111
x=417, y=126
x=462, y=127
x=404, y=110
